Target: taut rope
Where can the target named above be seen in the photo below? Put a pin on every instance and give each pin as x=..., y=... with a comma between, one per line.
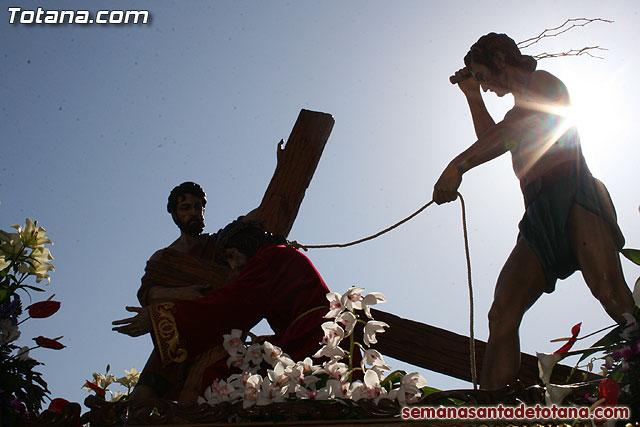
x=472, y=348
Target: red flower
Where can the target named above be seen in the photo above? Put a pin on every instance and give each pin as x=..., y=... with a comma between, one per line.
x=574, y=336
x=43, y=309
x=101, y=391
x=58, y=405
x=49, y=343
x=609, y=390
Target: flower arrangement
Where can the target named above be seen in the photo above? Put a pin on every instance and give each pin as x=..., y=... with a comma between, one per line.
x=619, y=354
x=101, y=382
x=332, y=379
x=23, y=255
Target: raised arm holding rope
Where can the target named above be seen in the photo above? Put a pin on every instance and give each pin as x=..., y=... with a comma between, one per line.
x=569, y=223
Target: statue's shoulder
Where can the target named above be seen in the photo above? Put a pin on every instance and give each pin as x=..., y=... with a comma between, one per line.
x=548, y=87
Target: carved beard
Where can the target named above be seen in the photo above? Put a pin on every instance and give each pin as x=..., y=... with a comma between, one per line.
x=192, y=227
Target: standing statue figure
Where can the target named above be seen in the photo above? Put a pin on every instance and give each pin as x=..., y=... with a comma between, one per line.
x=569, y=222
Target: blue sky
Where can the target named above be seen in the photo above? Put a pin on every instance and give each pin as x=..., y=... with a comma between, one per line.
x=100, y=122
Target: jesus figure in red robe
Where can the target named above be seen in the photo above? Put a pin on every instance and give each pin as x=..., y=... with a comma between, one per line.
x=276, y=282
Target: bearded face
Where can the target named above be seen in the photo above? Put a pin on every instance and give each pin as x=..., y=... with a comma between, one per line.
x=189, y=215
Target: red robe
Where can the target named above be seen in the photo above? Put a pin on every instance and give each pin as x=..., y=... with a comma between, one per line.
x=278, y=283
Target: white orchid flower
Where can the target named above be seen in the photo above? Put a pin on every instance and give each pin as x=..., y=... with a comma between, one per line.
x=546, y=363
x=336, y=370
x=254, y=353
x=233, y=342
x=277, y=375
x=270, y=392
x=630, y=328
x=352, y=299
x=369, y=389
x=330, y=351
x=272, y=353
x=333, y=333
x=371, y=357
x=237, y=361
x=372, y=299
x=335, y=305
x=312, y=393
x=348, y=320
x=307, y=366
x=370, y=329
x=337, y=389
x=409, y=390
x=252, y=391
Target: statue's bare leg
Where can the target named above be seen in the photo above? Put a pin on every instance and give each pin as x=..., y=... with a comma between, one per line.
x=599, y=261
x=520, y=284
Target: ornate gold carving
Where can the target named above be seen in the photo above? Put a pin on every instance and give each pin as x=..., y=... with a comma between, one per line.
x=165, y=332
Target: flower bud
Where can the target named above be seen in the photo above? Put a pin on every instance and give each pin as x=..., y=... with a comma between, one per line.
x=49, y=343
x=43, y=309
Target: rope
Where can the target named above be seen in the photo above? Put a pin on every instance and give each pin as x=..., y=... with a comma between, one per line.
x=472, y=347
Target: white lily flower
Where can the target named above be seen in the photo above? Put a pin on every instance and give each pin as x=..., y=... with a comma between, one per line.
x=233, y=342
x=348, y=320
x=370, y=329
x=130, y=379
x=372, y=299
x=352, y=299
x=23, y=354
x=31, y=236
x=117, y=395
x=335, y=305
x=555, y=394
x=546, y=363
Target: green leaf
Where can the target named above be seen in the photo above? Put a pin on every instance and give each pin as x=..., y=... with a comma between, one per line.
x=607, y=341
x=394, y=377
x=632, y=255
x=33, y=288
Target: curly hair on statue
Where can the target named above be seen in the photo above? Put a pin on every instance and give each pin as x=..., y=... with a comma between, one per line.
x=180, y=191
x=246, y=236
x=483, y=51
